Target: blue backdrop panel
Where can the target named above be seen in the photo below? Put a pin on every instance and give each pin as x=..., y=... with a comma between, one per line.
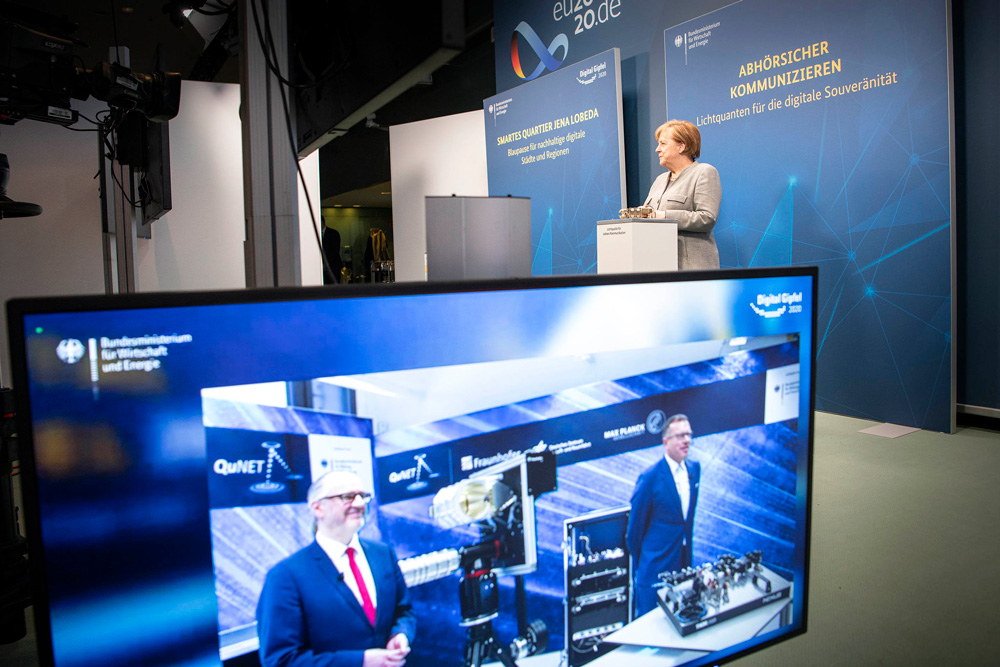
x=857, y=183
x=830, y=132
x=558, y=140
x=561, y=32
x=239, y=515
x=747, y=498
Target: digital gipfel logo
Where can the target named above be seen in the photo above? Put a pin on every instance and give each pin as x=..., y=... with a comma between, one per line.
x=776, y=305
x=546, y=55
x=70, y=350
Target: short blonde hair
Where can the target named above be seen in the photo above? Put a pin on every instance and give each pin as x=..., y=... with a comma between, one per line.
x=684, y=132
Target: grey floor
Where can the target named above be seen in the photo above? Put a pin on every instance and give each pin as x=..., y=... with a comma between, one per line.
x=905, y=553
x=905, y=560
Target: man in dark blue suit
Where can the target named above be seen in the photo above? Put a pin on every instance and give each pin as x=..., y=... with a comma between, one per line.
x=341, y=601
x=661, y=521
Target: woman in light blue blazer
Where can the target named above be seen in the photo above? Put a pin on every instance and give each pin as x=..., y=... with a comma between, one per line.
x=689, y=193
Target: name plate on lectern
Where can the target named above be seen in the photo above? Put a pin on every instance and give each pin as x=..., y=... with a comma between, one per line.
x=636, y=245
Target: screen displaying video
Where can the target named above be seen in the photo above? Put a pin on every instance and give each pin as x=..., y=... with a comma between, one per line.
x=513, y=437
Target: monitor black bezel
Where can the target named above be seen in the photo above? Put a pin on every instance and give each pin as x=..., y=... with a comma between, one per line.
x=20, y=308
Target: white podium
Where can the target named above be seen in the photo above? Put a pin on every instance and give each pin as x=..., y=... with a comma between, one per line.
x=636, y=245
x=478, y=237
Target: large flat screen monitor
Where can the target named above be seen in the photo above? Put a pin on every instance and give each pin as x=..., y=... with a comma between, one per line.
x=513, y=435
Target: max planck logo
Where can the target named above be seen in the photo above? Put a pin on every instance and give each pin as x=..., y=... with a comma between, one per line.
x=655, y=421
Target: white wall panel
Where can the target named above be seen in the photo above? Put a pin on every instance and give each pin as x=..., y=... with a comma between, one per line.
x=436, y=157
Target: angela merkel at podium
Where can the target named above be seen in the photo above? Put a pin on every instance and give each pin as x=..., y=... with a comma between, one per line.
x=688, y=193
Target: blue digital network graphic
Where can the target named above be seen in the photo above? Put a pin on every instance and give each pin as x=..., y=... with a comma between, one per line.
x=848, y=171
x=558, y=140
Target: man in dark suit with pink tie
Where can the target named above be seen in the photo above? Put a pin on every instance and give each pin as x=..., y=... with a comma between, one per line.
x=341, y=601
x=661, y=521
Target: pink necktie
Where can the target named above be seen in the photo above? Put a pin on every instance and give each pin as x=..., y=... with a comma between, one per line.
x=366, y=600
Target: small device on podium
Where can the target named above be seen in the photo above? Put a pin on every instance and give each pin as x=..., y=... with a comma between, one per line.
x=636, y=245
x=636, y=212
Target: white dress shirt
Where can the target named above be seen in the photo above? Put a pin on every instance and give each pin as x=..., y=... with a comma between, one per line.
x=337, y=551
x=683, y=482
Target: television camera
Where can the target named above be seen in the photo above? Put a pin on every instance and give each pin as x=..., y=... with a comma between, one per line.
x=500, y=502
x=39, y=75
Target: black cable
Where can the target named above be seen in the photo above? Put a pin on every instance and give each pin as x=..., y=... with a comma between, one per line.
x=116, y=117
x=291, y=135
x=113, y=149
x=298, y=88
x=146, y=190
x=125, y=196
x=122, y=189
x=263, y=45
x=273, y=66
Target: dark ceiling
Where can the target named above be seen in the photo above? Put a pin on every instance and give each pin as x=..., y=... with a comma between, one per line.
x=143, y=26
x=205, y=47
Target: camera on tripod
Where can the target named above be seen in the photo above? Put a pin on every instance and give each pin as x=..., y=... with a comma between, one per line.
x=500, y=502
